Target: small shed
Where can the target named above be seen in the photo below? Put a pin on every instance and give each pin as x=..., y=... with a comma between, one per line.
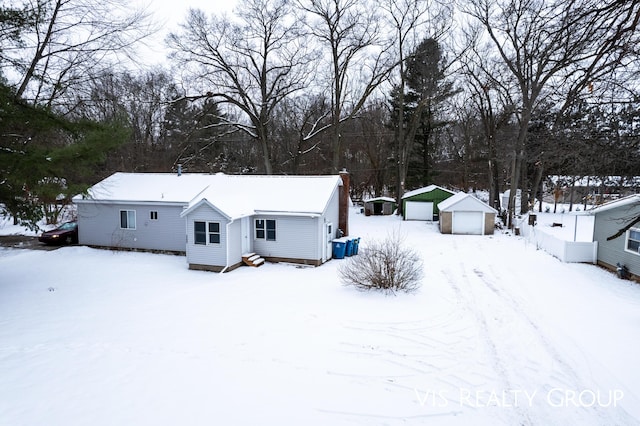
x=379, y=206
x=611, y=219
x=465, y=214
x=422, y=203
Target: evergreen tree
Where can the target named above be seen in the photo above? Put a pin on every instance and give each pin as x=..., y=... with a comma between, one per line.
x=46, y=159
x=427, y=90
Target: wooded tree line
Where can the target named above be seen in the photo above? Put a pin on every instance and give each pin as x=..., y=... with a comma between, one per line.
x=403, y=93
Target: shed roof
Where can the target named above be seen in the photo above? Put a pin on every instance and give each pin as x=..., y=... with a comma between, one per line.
x=425, y=189
x=466, y=202
x=380, y=199
x=233, y=195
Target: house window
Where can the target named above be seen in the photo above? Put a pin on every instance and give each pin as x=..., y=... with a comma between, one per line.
x=200, y=232
x=204, y=232
x=266, y=228
x=214, y=233
x=153, y=215
x=127, y=219
x=633, y=241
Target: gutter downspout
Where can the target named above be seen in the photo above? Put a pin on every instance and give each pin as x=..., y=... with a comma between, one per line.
x=227, y=245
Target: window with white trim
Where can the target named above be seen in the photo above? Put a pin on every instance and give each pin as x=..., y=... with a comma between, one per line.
x=633, y=241
x=206, y=233
x=127, y=219
x=214, y=233
x=266, y=229
x=153, y=215
x=200, y=233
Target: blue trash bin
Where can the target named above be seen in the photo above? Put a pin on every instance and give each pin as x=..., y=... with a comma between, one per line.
x=356, y=245
x=339, y=248
x=349, y=249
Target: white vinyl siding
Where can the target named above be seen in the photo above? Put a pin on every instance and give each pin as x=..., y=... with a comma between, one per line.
x=296, y=238
x=213, y=254
x=99, y=224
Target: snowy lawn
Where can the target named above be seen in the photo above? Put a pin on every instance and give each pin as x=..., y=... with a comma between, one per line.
x=499, y=334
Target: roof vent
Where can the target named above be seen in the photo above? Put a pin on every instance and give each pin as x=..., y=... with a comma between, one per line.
x=179, y=169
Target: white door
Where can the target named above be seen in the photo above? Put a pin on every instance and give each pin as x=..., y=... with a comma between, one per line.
x=246, y=233
x=468, y=223
x=418, y=210
x=329, y=236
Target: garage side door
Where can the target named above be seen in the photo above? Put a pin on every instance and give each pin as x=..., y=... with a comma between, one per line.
x=467, y=222
x=419, y=210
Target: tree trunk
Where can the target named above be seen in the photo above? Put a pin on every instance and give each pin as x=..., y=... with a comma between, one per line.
x=536, y=188
x=524, y=193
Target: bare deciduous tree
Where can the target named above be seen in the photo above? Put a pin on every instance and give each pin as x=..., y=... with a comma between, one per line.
x=71, y=40
x=554, y=45
x=357, y=58
x=251, y=65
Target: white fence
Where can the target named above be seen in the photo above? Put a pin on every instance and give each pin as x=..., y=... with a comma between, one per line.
x=566, y=251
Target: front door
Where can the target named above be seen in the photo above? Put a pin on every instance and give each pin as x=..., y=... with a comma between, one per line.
x=246, y=234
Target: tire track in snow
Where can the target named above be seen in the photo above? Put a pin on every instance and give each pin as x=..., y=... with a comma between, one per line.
x=464, y=291
x=522, y=355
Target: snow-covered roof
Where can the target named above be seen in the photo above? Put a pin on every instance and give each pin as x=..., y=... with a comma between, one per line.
x=147, y=187
x=621, y=202
x=467, y=202
x=423, y=190
x=373, y=200
x=244, y=195
x=233, y=195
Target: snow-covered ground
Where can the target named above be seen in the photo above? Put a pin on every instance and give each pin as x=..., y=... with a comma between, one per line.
x=499, y=334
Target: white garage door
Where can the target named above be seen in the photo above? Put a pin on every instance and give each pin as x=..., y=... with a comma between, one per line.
x=418, y=210
x=468, y=222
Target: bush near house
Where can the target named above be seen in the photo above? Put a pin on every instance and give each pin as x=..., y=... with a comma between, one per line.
x=384, y=265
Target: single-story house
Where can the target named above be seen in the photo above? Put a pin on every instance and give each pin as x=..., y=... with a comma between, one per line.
x=216, y=219
x=379, y=206
x=609, y=219
x=465, y=214
x=422, y=203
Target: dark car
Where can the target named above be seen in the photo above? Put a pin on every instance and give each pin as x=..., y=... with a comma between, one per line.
x=66, y=233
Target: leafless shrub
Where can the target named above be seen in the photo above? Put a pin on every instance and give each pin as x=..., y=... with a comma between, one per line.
x=384, y=265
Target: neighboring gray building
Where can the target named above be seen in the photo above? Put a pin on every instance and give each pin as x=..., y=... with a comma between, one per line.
x=215, y=219
x=625, y=249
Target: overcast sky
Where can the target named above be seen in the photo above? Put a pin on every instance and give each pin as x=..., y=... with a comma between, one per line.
x=169, y=13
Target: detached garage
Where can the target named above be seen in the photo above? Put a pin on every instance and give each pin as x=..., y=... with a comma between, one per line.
x=422, y=203
x=465, y=214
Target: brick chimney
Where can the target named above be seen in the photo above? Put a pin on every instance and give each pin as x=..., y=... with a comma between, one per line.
x=343, y=203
